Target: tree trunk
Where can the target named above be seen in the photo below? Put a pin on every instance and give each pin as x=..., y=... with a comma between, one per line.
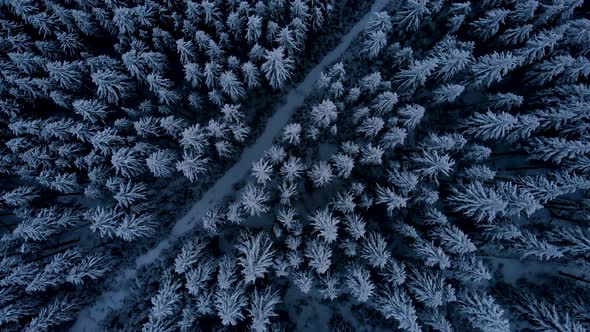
x=573, y=277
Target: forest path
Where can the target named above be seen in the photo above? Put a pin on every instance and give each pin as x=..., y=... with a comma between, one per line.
x=90, y=318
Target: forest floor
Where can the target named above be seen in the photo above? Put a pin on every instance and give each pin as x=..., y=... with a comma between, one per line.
x=90, y=318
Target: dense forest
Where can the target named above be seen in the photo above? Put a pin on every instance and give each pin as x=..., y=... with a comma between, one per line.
x=419, y=165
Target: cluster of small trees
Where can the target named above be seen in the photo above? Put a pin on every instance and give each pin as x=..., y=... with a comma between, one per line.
x=444, y=157
x=100, y=101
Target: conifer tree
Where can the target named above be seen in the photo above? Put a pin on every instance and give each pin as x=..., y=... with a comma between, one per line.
x=410, y=15
x=256, y=256
x=482, y=311
x=277, y=68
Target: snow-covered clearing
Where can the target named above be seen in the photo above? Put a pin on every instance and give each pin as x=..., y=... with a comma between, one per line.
x=90, y=318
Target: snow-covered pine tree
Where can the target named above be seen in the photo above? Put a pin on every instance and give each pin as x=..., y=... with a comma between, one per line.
x=482, y=311
x=325, y=224
x=394, y=303
x=256, y=256
x=262, y=308
x=277, y=68
x=409, y=17
x=358, y=281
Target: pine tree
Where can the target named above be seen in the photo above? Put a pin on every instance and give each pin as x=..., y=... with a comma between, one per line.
x=371, y=82
x=482, y=311
x=531, y=245
x=379, y=21
x=343, y=165
x=576, y=34
x=92, y=266
x=393, y=137
x=576, y=240
x=319, y=255
x=53, y=273
x=14, y=312
x=147, y=126
x=20, y=196
x=161, y=163
x=321, y=174
x=172, y=125
x=254, y=200
x=429, y=287
x=111, y=85
x=545, y=315
x=192, y=166
x=374, y=43
x=251, y=75
x=479, y=172
x=229, y=304
x=415, y=75
x=372, y=155
x=358, y=281
x=517, y=34
x=165, y=303
x=304, y=281
x=292, y=133
x=436, y=319
x=431, y=164
x=323, y=114
x=448, y=93
x=411, y=115
x=431, y=254
x=106, y=140
x=277, y=68
x=453, y=240
x=519, y=199
x=325, y=224
x=355, y=225
x=130, y=193
x=451, y=63
x=67, y=74
x=491, y=68
x=126, y=162
x=262, y=307
x=556, y=149
x=344, y=202
x=288, y=191
x=262, y=171
x=292, y=169
x=231, y=86
x=134, y=227
x=256, y=256
x=104, y=220
x=394, y=272
x=388, y=197
x=524, y=10
x=486, y=27
x=191, y=252
x=394, y=303
x=470, y=269
x=330, y=289
x=476, y=201
x=287, y=217
x=505, y=101
x=538, y=46
x=57, y=312
x=198, y=277
x=385, y=102
x=410, y=15
x=489, y=125
x=374, y=250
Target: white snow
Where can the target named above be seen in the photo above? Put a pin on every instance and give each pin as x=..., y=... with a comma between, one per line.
x=90, y=318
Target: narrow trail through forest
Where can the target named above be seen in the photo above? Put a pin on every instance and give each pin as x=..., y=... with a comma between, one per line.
x=90, y=318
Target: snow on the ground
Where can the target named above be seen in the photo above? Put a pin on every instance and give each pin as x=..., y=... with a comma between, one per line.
x=90, y=318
